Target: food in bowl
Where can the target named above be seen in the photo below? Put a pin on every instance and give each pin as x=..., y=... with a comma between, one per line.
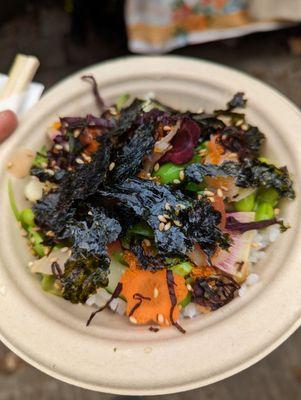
x=154, y=213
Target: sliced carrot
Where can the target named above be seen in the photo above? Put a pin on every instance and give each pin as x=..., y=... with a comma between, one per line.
x=203, y=271
x=151, y=290
x=215, y=150
x=57, y=125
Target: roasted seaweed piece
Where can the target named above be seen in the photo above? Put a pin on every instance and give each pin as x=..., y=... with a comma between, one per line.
x=43, y=175
x=98, y=99
x=127, y=118
x=209, y=124
x=215, y=291
x=129, y=157
x=190, y=222
x=55, y=208
x=148, y=256
x=87, y=269
x=250, y=173
x=237, y=100
x=246, y=143
x=84, y=122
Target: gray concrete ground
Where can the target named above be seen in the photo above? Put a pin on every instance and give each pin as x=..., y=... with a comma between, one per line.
x=44, y=32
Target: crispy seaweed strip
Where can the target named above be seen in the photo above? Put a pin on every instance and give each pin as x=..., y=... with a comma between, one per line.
x=171, y=289
x=153, y=329
x=139, y=298
x=99, y=101
x=115, y=294
x=232, y=224
x=56, y=270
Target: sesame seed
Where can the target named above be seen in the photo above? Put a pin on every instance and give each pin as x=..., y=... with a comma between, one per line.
x=44, y=165
x=162, y=218
x=147, y=242
x=181, y=175
x=64, y=249
x=53, y=259
x=47, y=250
x=160, y=318
x=79, y=160
x=167, y=206
x=30, y=264
x=255, y=245
x=161, y=226
x=166, y=216
x=189, y=287
x=90, y=213
x=177, y=223
x=220, y=193
x=49, y=171
x=76, y=133
x=58, y=147
x=182, y=206
x=177, y=212
x=199, y=197
x=156, y=293
x=9, y=165
x=50, y=234
x=208, y=193
x=202, y=152
x=67, y=147
x=167, y=226
x=276, y=211
x=133, y=319
x=166, y=128
x=211, y=199
x=111, y=166
x=156, y=167
x=224, y=188
x=239, y=122
x=245, y=126
x=176, y=181
x=69, y=253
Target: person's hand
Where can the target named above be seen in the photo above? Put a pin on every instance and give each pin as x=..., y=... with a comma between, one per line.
x=8, y=123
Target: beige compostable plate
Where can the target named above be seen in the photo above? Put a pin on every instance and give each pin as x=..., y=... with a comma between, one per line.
x=112, y=355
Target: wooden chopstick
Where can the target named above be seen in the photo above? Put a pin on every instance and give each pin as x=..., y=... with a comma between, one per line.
x=20, y=75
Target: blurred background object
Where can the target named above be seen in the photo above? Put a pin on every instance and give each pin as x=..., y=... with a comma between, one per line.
x=68, y=35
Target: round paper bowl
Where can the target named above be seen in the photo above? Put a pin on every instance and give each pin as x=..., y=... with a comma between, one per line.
x=112, y=355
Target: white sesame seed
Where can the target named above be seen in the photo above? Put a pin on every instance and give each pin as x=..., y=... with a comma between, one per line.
x=30, y=264
x=199, y=197
x=76, y=133
x=69, y=253
x=166, y=216
x=239, y=122
x=208, y=193
x=156, y=293
x=220, y=193
x=167, y=206
x=182, y=175
x=177, y=223
x=166, y=128
x=64, y=249
x=162, y=218
x=189, y=287
x=182, y=206
x=9, y=165
x=50, y=234
x=90, y=213
x=276, y=211
x=67, y=147
x=176, y=181
x=161, y=226
x=245, y=126
x=47, y=250
x=147, y=242
x=44, y=165
x=156, y=167
x=224, y=188
x=167, y=226
x=58, y=147
x=133, y=319
x=202, y=152
x=49, y=171
x=160, y=318
x=211, y=199
x=111, y=166
x=177, y=212
x=79, y=160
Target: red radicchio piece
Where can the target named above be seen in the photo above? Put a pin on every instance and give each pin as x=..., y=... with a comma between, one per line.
x=183, y=143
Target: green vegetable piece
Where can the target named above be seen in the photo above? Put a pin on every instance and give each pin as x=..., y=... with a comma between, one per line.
x=48, y=285
x=39, y=249
x=195, y=187
x=27, y=217
x=142, y=229
x=183, y=268
x=40, y=158
x=12, y=201
x=35, y=236
x=246, y=204
x=264, y=211
x=265, y=160
x=122, y=99
x=268, y=196
x=195, y=159
x=186, y=301
x=169, y=172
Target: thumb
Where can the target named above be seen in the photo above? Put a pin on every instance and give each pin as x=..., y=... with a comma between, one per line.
x=8, y=123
